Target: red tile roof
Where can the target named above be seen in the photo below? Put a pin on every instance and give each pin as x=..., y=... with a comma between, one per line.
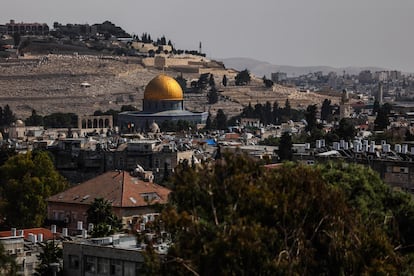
x=118, y=187
x=47, y=234
x=232, y=136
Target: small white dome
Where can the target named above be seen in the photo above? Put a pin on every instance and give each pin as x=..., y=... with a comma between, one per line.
x=154, y=127
x=19, y=123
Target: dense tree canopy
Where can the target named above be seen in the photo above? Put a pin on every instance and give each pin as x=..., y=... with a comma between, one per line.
x=221, y=120
x=381, y=121
x=27, y=180
x=212, y=95
x=243, y=77
x=326, y=110
x=285, y=147
x=51, y=254
x=182, y=82
x=7, y=116
x=60, y=120
x=272, y=114
x=34, y=120
x=101, y=215
x=310, y=116
x=346, y=129
x=235, y=217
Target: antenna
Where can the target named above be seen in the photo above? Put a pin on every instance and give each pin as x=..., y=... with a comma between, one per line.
x=199, y=48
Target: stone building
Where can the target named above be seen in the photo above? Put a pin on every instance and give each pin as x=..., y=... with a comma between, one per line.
x=129, y=195
x=103, y=256
x=79, y=159
x=27, y=28
x=24, y=245
x=163, y=100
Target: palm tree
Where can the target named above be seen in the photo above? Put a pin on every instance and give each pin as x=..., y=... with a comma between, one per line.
x=99, y=211
x=101, y=215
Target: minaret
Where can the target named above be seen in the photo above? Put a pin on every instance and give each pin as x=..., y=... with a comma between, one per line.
x=380, y=94
x=344, y=108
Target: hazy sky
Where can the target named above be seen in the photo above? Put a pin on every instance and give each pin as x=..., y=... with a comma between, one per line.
x=288, y=32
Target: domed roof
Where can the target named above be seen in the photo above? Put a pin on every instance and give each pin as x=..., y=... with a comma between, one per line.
x=19, y=123
x=163, y=87
x=154, y=127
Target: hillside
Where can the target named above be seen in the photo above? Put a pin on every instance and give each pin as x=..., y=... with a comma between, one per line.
x=53, y=83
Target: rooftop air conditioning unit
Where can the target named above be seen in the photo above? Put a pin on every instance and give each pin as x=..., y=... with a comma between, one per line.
x=397, y=148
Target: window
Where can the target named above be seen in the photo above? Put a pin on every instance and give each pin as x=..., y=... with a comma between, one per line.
x=115, y=268
x=90, y=264
x=73, y=261
x=129, y=269
x=103, y=266
x=404, y=169
x=150, y=196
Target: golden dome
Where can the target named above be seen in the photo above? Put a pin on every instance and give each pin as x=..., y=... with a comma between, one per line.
x=163, y=87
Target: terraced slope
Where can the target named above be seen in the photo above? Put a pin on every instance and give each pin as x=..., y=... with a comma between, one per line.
x=53, y=83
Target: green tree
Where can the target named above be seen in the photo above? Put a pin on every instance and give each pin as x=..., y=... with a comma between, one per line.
x=211, y=81
x=128, y=108
x=310, y=116
x=27, y=180
x=346, y=129
x=267, y=112
x=61, y=120
x=376, y=107
x=221, y=119
x=326, y=110
x=285, y=147
x=287, y=111
x=201, y=83
x=234, y=217
x=5, y=153
x=50, y=258
x=248, y=111
x=212, y=95
x=209, y=123
x=243, y=77
x=16, y=39
x=381, y=121
x=34, y=119
x=259, y=112
x=98, y=113
x=376, y=201
x=8, y=116
x=268, y=83
x=182, y=82
x=224, y=81
x=101, y=215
